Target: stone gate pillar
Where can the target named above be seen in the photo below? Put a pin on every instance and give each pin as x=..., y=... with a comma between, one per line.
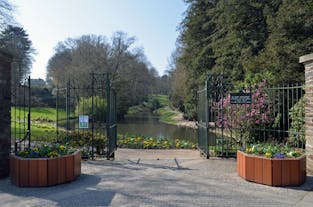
x=5, y=116
x=307, y=60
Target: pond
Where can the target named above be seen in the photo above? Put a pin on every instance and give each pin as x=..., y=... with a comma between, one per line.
x=150, y=126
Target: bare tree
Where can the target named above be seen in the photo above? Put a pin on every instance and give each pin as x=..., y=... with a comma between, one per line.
x=130, y=73
x=5, y=14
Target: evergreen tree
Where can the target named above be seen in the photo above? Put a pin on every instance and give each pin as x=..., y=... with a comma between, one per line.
x=16, y=42
x=246, y=40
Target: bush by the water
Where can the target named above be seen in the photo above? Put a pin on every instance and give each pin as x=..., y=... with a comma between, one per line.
x=83, y=140
x=84, y=107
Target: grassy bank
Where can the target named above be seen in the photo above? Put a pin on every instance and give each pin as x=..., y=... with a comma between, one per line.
x=43, y=123
x=157, y=105
x=44, y=114
x=167, y=115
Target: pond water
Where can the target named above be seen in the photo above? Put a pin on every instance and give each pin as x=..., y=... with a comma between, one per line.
x=150, y=126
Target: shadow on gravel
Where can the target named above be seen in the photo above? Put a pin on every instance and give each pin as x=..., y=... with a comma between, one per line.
x=137, y=165
x=307, y=186
x=88, y=198
x=159, y=166
x=81, y=191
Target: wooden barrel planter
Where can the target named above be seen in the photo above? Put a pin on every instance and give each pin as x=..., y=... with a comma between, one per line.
x=40, y=172
x=272, y=171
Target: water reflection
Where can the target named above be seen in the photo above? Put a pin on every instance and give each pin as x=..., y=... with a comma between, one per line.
x=145, y=126
x=150, y=126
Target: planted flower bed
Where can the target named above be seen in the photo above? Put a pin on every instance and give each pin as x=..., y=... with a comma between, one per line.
x=45, y=166
x=274, y=166
x=140, y=142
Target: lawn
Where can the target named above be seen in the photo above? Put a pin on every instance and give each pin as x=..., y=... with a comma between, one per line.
x=43, y=123
x=165, y=113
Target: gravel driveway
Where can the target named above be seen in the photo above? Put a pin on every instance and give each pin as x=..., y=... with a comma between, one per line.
x=143, y=178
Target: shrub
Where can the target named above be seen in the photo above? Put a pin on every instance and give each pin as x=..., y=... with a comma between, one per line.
x=83, y=141
x=297, y=125
x=84, y=107
x=247, y=116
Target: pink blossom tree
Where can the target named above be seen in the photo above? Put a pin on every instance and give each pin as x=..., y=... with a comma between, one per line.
x=242, y=119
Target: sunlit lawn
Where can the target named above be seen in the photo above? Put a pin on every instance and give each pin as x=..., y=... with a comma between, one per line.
x=43, y=123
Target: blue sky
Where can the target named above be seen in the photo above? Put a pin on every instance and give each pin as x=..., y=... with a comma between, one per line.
x=154, y=23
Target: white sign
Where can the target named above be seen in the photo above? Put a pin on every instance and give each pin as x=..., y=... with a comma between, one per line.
x=83, y=121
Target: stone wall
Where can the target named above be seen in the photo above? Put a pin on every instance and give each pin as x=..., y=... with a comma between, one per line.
x=5, y=117
x=307, y=61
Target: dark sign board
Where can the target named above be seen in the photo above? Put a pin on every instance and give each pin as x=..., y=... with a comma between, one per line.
x=240, y=98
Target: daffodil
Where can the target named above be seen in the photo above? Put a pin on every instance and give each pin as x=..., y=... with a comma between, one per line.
x=268, y=154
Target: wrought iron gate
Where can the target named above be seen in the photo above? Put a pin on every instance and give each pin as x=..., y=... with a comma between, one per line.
x=207, y=137
x=20, y=114
x=89, y=121
x=230, y=118
x=202, y=110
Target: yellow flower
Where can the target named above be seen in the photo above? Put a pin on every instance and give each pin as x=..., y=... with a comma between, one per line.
x=249, y=150
x=178, y=145
x=268, y=154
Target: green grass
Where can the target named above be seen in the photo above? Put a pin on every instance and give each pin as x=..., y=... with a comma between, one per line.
x=43, y=122
x=145, y=109
x=163, y=99
x=44, y=114
x=167, y=115
x=138, y=111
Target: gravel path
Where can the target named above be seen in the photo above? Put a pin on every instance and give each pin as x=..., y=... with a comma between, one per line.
x=149, y=180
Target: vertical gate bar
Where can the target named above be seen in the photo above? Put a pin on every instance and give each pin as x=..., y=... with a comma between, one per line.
x=29, y=106
x=15, y=105
x=20, y=133
x=297, y=99
x=198, y=116
x=263, y=122
x=206, y=119
x=76, y=95
x=274, y=108
x=284, y=113
x=220, y=80
x=257, y=127
x=115, y=119
x=92, y=112
x=278, y=109
x=292, y=94
x=289, y=86
x=25, y=119
x=67, y=109
x=57, y=114
x=108, y=116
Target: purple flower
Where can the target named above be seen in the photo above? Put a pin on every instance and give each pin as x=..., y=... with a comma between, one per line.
x=279, y=155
